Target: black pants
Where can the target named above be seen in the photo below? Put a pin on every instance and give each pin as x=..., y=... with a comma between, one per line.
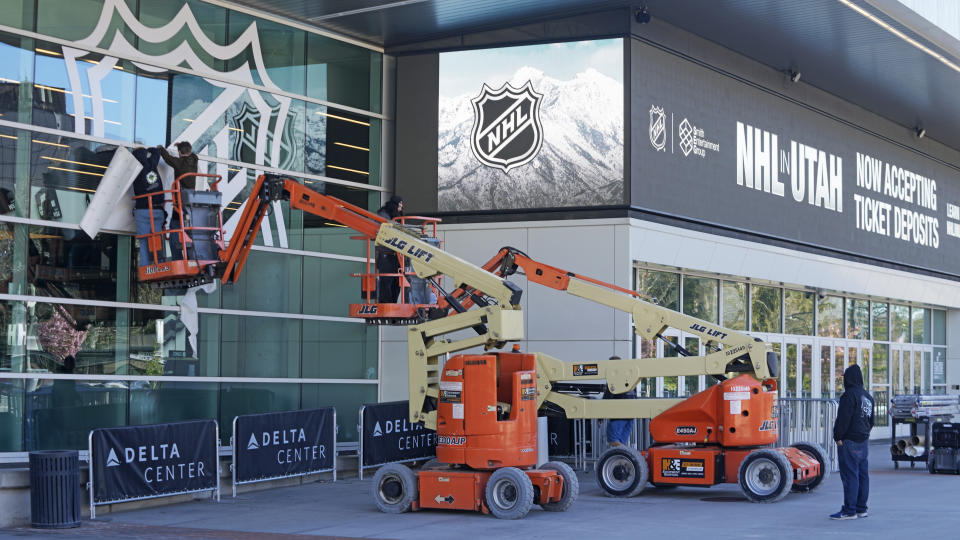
x=388, y=287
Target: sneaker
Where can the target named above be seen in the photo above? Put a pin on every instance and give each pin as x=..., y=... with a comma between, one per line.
x=862, y=514
x=841, y=515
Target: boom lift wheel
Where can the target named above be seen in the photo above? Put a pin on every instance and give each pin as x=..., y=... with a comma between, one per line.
x=395, y=488
x=622, y=472
x=765, y=476
x=817, y=452
x=509, y=493
x=571, y=486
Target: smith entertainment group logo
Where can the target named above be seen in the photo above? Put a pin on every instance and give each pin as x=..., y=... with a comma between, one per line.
x=658, y=128
x=506, y=126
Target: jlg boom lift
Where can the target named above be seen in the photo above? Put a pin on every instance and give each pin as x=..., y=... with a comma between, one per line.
x=484, y=406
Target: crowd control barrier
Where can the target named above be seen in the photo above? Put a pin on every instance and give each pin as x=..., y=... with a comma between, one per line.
x=808, y=420
x=387, y=436
x=286, y=444
x=146, y=462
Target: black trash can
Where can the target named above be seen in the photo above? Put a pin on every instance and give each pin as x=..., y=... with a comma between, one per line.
x=55, y=489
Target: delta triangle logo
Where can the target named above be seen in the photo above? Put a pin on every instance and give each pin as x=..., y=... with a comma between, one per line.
x=377, y=432
x=112, y=460
x=252, y=445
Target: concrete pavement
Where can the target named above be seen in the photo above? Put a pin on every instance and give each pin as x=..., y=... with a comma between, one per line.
x=905, y=501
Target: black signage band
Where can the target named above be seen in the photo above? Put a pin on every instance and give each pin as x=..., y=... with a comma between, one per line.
x=283, y=445
x=160, y=460
x=388, y=436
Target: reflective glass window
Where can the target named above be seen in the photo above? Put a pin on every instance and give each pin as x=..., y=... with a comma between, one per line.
x=252, y=398
x=858, y=319
x=60, y=413
x=76, y=88
x=880, y=363
x=798, y=312
x=347, y=398
x=662, y=287
x=899, y=323
x=830, y=316
x=734, y=305
x=162, y=402
x=939, y=327
x=338, y=144
x=16, y=69
x=18, y=13
x=765, y=309
x=259, y=346
x=11, y=414
x=73, y=20
x=881, y=323
x=343, y=73
x=335, y=350
x=700, y=298
x=282, y=50
x=211, y=19
x=921, y=320
x=64, y=175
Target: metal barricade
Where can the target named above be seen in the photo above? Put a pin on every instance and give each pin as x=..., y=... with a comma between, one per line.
x=808, y=420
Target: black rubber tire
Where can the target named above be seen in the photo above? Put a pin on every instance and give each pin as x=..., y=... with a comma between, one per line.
x=772, y=469
x=818, y=453
x=622, y=472
x=395, y=488
x=509, y=493
x=571, y=486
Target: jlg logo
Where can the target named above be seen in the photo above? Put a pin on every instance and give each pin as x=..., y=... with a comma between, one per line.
x=368, y=309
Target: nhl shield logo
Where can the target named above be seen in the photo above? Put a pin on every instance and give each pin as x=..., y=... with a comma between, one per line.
x=506, y=126
x=658, y=132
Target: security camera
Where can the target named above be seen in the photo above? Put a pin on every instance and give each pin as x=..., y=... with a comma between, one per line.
x=642, y=15
x=794, y=75
x=919, y=132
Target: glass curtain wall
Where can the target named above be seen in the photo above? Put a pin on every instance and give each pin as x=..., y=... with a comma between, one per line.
x=900, y=348
x=303, y=105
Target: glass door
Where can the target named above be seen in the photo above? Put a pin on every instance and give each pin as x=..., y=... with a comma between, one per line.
x=796, y=379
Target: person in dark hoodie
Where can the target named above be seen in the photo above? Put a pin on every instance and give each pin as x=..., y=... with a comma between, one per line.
x=852, y=433
x=388, y=287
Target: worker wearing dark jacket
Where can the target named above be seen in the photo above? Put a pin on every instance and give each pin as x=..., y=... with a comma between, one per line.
x=852, y=433
x=185, y=163
x=388, y=287
x=148, y=218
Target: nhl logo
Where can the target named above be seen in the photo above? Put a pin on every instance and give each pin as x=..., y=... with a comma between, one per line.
x=658, y=132
x=506, y=126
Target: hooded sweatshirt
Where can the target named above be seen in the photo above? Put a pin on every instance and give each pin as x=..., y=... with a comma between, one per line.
x=855, y=412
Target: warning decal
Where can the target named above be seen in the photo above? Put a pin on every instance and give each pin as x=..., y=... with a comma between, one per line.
x=682, y=468
x=583, y=370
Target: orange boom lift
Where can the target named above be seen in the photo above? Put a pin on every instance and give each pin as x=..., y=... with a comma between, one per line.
x=484, y=406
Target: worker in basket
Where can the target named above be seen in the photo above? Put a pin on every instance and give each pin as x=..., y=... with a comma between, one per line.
x=388, y=287
x=185, y=168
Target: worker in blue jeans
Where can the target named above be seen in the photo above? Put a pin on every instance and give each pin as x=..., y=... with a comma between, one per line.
x=851, y=431
x=618, y=430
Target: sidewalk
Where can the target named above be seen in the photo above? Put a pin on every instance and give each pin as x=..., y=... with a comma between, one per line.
x=905, y=501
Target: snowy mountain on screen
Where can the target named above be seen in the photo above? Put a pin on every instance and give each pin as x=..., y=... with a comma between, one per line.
x=580, y=163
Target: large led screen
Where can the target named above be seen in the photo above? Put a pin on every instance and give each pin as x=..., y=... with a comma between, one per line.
x=536, y=126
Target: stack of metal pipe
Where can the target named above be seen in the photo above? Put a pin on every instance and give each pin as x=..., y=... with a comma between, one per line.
x=920, y=405
x=909, y=446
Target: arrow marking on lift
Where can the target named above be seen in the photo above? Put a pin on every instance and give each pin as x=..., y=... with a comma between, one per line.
x=440, y=498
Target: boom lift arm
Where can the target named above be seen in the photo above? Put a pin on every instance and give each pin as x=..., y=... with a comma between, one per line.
x=740, y=353
x=490, y=305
